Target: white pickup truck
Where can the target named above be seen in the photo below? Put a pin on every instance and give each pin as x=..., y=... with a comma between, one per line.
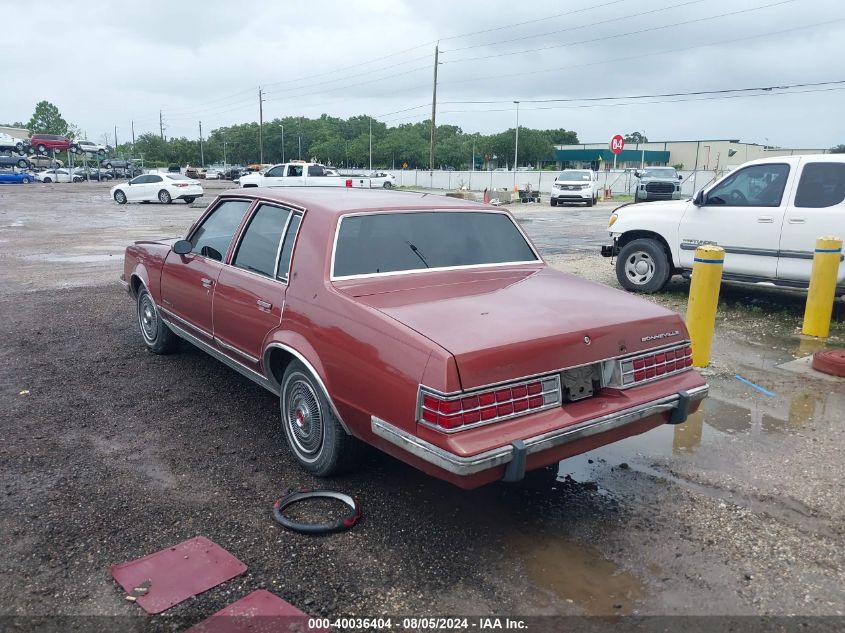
x=301, y=175
x=766, y=214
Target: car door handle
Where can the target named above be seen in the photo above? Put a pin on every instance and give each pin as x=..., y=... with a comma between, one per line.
x=208, y=283
x=766, y=219
x=264, y=305
x=797, y=220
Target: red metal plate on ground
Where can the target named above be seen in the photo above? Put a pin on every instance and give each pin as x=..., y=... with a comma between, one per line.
x=177, y=573
x=830, y=361
x=259, y=612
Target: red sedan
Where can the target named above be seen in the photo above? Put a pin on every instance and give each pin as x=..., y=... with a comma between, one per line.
x=426, y=326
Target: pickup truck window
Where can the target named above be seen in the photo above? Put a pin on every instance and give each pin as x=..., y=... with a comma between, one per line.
x=393, y=242
x=821, y=185
x=212, y=238
x=260, y=243
x=754, y=186
x=294, y=170
x=316, y=170
x=276, y=172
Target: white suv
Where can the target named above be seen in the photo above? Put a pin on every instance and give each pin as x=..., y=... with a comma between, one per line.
x=90, y=147
x=575, y=185
x=766, y=214
x=11, y=144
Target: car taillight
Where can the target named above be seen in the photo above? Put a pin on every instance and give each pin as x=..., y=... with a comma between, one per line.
x=465, y=410
x=181, y=184
x=651, y=365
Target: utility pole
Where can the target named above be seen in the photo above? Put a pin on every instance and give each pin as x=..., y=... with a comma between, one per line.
x=283, y=143
x=433, y=108
x=260, y=127
x=133, y=137
x=202, y=156
x=371, y=143
x=516, y=144
x=161, y=124
x=115, y=137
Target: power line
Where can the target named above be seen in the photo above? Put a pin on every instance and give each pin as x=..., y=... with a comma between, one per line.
x=618, y=35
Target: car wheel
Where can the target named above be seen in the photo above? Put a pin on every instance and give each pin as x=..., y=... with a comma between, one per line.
x=101, y=152
x=77, y=179
x=553, y=202
x=643, y=266
x=108, y=165
x=188, y=200
x=120, y=197
x=388, y=185
x=25, y=180
x=164, y=197
x=42, y=149
x=313, y=433
x=46, y=180
x=590, y=202
x=158, y=338
x=19, y=148
x=22, y=163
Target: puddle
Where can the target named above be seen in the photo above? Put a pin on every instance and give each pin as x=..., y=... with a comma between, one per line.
x=577, y=573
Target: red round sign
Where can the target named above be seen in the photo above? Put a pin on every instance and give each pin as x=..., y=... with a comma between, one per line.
x=617, y=144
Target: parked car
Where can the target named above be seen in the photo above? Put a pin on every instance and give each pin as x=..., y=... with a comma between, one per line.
x=164, y=188
x=174, y=169
x=381, y=179
x=192, y=172
x=91, y=173
x=15, y=161
x=9, y=176
x=45, y=143
x=90, y=147
x=301, y=174
x=766, y=214
x=575, y=185
x=233, y=173
x=44, y=161
x=57, y=175
x=657, y=183
x=11, y=144
x=433, y=331
x=116, y=163
x=213, y=174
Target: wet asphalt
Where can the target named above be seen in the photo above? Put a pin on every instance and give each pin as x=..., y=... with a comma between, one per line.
x=108, y=453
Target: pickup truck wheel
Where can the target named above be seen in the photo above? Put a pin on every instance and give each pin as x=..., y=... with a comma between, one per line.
x=119, y=197
x=553, y=202
x=388, y=185
x=164, y=197
x=157, y=336
x=313, y=433
x=643, y=266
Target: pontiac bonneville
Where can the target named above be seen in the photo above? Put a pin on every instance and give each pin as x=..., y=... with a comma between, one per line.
x=426, y=326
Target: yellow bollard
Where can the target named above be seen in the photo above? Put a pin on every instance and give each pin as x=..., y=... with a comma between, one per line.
x=703, y=300
x=822, y=286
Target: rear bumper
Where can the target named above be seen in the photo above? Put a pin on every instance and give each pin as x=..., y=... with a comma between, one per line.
x=514, y=455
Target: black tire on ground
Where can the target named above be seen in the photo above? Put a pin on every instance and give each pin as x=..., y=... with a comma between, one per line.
x=158, y=338
x=23, y=163
x=388, y=185
x=314, y=435
x=590, y=202
x=643, y=266
x=189, y=200
x=164, y=197
x=553, y=202
x=120, y=197
x=46, y=180
x=25, y=180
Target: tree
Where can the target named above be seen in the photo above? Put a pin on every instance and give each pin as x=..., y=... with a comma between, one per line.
x=837, y=149
x=48, y=120
x=636, y=137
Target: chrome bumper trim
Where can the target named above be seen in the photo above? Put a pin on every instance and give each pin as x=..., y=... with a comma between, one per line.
x=498, y=456
x=124, y=283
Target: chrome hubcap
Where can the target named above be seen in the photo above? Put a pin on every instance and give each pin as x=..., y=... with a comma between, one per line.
x=639, y=268
x=148, y=319
x=303, y=416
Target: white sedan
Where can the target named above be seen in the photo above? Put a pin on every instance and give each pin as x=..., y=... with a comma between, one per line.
x=382, y=179
x=164, y=188
x=57, y=175
x=213, y=174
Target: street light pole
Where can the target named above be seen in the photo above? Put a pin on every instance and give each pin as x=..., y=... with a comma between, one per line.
x=371, y=143
x=283, y=143
x=516, y=144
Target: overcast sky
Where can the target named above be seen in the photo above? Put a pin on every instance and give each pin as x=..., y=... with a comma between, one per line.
x=105, y=64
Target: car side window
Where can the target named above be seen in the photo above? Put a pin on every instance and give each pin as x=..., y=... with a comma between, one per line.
x=276, y=172
x=153, y=178
x=316, y=170
x=294, y=170
x=260, y=243
x=287, y=247
x=212, y=238
x=821, y=185
x=754, y=186
x=140, y=180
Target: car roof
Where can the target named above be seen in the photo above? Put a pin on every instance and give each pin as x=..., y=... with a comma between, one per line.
x=342, y=200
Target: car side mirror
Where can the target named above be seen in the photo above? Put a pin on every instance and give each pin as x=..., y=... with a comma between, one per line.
x=636, y=174
x=698, y=200
x=182, y=247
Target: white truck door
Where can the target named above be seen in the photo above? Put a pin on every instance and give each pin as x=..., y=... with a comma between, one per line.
x=274, y=177
x=294, y=176
x=818, y=210
x=743, y=214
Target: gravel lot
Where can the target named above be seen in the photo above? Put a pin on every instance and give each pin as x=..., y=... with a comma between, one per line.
x=108, y=453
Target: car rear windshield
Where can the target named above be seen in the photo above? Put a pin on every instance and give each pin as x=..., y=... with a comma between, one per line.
x=574, y=175
x=380, y=243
